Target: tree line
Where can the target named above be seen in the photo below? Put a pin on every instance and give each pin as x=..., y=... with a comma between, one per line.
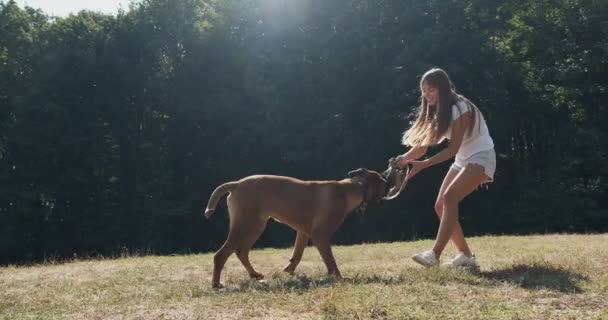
x=115, y=129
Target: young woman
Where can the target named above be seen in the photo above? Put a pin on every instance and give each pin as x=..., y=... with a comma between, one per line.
x=444, y=114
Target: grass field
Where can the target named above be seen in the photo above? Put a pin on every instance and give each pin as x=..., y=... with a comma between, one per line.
x=523, y=277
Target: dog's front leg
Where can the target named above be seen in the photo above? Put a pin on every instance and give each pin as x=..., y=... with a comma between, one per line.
x=298, y=250
x=323, y=244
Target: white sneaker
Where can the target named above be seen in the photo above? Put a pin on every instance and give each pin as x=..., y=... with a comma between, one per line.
x=426, y=258
x=461, y=260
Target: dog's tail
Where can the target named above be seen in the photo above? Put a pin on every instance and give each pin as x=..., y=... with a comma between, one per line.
x=217, y=195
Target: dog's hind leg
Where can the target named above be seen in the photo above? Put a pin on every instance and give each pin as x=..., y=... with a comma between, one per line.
x=249, y=237
x=219, y=259
x=298, y=250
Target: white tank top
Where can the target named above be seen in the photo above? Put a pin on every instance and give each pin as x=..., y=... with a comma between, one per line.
x=479, y=140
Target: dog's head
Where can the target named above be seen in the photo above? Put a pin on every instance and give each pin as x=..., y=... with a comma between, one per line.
x=373, y=184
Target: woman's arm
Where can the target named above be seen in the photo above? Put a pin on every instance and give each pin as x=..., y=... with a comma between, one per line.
x=458, y=129
x=413, y=154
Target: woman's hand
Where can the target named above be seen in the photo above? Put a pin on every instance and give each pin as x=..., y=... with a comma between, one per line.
x=417, y=166
x=402, y=161
x=414, y=153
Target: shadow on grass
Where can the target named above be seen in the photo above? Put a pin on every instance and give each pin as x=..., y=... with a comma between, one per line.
x=302, y=282
x=534, y=277
x=538, y=276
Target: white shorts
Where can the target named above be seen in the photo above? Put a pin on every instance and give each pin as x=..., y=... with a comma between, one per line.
x=486, y=159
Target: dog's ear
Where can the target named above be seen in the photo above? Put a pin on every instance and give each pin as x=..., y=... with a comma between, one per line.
x=357, y=172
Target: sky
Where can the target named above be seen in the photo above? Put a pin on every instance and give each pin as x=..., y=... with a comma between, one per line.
x=65, y=7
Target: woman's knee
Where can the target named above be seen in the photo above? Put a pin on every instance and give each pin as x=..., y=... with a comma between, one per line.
x=450, y=198
x=439, y=208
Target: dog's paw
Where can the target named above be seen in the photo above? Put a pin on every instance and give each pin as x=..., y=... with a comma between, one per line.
x=256, y=276
x=289, y=269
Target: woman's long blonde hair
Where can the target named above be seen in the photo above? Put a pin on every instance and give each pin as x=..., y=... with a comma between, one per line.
x=432, y=123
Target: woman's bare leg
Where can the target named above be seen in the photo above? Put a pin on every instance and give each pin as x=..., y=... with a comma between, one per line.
x=457, y=236
x=465, y=182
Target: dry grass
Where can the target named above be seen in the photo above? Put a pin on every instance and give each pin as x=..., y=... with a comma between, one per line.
x=527, y=277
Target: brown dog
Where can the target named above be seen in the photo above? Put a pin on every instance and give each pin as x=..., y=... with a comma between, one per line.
x=315, y=209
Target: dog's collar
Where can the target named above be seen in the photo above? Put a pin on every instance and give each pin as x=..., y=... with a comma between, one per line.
x=361, y=208
x=363, y=188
